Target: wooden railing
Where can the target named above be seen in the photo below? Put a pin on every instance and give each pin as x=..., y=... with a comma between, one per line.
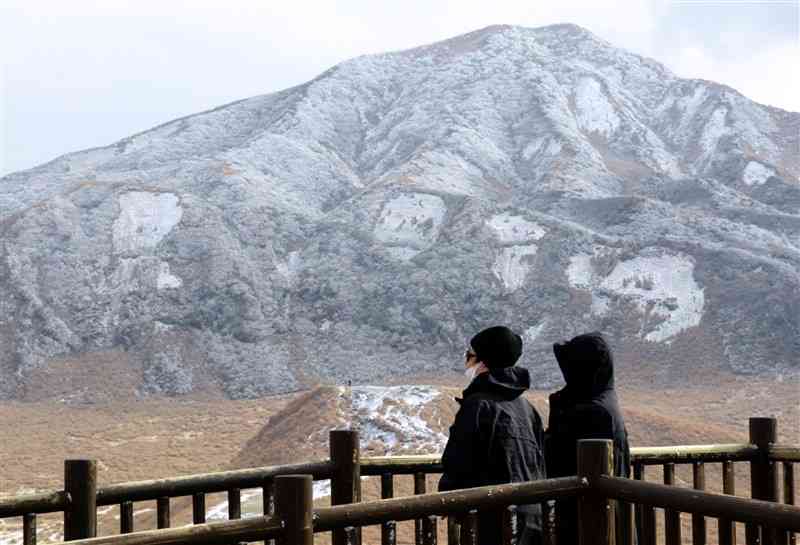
x=287, y=498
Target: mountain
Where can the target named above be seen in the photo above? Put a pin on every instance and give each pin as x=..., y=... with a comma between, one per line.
x=364, y=225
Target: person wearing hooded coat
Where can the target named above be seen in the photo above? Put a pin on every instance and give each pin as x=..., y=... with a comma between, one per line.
x=586, y=408
x=497, y=436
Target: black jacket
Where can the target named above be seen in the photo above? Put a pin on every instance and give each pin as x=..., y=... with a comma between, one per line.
x=497, y=438
x=586, y=408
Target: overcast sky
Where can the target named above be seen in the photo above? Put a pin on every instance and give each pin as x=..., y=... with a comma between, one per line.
x=79, y=73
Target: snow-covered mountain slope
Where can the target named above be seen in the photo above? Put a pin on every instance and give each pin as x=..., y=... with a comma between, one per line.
x=386, y=210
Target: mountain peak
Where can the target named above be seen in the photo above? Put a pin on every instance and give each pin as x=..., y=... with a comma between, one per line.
x=398, y=202
x=485, y=36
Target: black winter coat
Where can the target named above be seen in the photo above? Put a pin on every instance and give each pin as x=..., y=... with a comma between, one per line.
x=586, y=408
x=497, y=438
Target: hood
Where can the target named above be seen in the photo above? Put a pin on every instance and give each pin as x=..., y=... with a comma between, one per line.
x=587, y=365
x=505, y=382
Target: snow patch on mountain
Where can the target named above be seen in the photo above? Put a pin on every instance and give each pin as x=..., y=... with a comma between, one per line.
x=289, y=268
x=512, y=265
x=142, y=273
x=714, y=130
x=533, y=332
x=662, y=286
x=144, y=220
x=756, y=174
x=410, y=223
x=166, y=279
x=542, y=147
x=513, y=229
x=392, y=417
x=687, y=107
x=579, y=271
x=595, y=113
x=513, y=262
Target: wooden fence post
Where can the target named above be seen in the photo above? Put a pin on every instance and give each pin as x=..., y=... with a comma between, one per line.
x=126, y=517
x=595, y=515
x=469, y=528
x=80, y=515
x=419, y=530
x=346, y=479
x=234, y=504
x=388, y=529
x=763, y=477
x=294, y=505
x=788, y=495
x=199, y=508
x=510, y=530
x=268, y=502
x=162, y=512
x=646, y=515
x=699, y=528
x=727, y=528
x=672, y=519
x=430, y=530
x=29, y=529
x=453, y=531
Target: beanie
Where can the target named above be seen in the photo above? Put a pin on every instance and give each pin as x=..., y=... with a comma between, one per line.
x=497, y=346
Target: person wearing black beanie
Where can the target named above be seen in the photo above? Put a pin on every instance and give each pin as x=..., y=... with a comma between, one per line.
x=497, y=347
x=497, y=436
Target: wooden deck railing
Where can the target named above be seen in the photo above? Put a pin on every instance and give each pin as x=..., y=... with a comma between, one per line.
x=771, y=517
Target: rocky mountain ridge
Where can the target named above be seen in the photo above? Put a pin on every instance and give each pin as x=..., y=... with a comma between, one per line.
x=363, y=225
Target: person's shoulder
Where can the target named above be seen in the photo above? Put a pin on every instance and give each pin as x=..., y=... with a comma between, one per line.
x=475, y=401
x=532, y=407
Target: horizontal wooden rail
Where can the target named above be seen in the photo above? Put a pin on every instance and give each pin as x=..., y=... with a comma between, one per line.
x=686, y=500
x=206, y=483
x=784, y=453
x=680, y=454
x=47, y=502
x=445, y=503
x=687, y=454
x=213, y=533
x=401, y=465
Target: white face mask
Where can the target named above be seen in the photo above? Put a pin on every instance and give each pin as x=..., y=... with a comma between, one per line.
x=472, y=371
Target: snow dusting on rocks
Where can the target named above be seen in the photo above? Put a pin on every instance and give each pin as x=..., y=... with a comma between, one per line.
x=398, y=418
x=144, y=220
x=756, y=174
x=394, y=204
x=662, y=286
x=514, y=261
x=595, y=112
x=410, y=223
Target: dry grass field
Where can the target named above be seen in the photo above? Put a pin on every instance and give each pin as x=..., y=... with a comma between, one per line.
x=161, y=437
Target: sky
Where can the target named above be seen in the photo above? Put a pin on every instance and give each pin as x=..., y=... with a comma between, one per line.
x=82, y=73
